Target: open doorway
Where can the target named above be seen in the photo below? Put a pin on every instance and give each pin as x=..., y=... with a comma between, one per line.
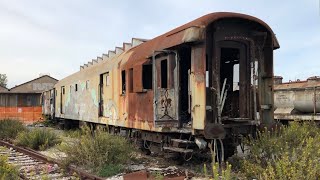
x=234, y=80
x=185, y=98
x=229, y=81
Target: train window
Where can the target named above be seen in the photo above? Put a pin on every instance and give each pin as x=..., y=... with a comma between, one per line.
x=147, y=76
x=108, y=79
x=164, y=73
x=236, y=75
x=130, y=80
x=76, y=87
x=123, y=78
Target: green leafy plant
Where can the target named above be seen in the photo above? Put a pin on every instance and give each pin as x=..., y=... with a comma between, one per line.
x=98, y=151
x=157, y=175
x=37, y=139
x=293, y=152
x=7, y=171
x=110, y=170
x=9, y=129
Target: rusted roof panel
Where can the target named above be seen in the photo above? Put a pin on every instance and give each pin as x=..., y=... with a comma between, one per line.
x=180, y=35
x=309, y=83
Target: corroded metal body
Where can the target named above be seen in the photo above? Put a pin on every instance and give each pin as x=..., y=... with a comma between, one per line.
x=174, y=82
x=297, y=100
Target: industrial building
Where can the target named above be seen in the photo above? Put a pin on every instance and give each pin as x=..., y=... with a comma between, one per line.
x=23, y=102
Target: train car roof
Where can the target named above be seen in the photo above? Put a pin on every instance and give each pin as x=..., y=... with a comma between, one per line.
x=140, y=54
x=179, y=35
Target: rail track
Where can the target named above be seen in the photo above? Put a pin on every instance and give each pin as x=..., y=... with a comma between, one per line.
x=33, y=165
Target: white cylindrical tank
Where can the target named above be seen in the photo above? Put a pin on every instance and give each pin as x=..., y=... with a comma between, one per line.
x=302, y=96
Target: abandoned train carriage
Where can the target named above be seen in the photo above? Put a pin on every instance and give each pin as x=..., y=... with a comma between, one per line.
x=211, y=78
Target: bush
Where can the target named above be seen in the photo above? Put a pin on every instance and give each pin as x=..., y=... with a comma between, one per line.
x=99, y=151
x=37, y=139
x=9, y=129
x=7, y=171
x=74, y=133
x=110, y=169
x=291, y=153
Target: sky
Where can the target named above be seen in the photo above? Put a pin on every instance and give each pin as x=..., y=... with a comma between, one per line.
x=56, y=37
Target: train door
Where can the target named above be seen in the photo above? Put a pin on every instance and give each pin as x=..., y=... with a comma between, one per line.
x=235, y=80
x=101, y=95
x=229, y=86
x=62, y=99
x=104, y=84
x=166, y=86
x=52, y=102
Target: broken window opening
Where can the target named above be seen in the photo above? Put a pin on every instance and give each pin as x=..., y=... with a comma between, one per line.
x=164, y=73
x=76, y=87
x=147, y=76
x=123, y=81
x=130, y=80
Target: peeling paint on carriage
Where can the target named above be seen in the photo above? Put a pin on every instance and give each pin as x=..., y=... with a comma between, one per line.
x=105, y=102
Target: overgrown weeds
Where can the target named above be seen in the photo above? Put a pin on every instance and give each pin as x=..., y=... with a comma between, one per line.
x=74, y=133
x=9, y=129
x=98, y=151
x=218, y=172
x=7, y=171
x=37, y=139
x=293, y=152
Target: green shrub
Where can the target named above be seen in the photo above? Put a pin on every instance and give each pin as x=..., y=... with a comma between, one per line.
x=108, y=170
x=293, y=152
x=99, y=151
x=9, y=129
x=74, y=133
x=37, y=139
x=7, y=171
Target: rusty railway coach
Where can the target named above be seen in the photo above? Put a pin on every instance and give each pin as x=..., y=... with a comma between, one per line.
x=208, y=80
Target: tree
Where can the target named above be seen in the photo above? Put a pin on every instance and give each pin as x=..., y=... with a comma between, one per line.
x=3, y=80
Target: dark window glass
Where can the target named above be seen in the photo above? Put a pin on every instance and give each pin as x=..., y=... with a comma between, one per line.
x=147, y=76
x=123, y=78
x=164, y=73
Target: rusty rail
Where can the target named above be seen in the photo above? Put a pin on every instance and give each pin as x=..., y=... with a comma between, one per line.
x=83, y=174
